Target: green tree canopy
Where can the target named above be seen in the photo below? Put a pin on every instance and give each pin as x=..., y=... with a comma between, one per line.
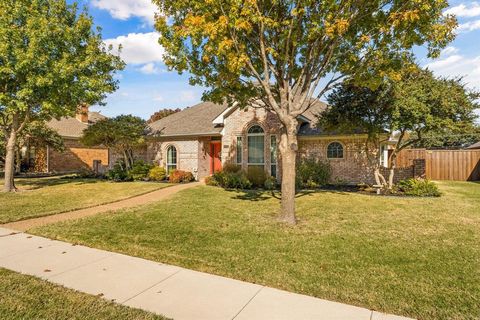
x=416, y=109
x=123, y=134
x=38, y=134
x=52, y=59
x=274, y=54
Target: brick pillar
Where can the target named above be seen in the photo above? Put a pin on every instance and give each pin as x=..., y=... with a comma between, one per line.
x=419, y=170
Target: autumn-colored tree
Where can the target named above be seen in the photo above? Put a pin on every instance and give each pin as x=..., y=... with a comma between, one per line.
x=51, y=61
x=280, y=54
x=417, y=110
x=162, y=114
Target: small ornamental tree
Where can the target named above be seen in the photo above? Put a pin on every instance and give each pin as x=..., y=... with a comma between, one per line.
x=37, y=134
x=51, y=61
x=415, y=109
x=279, y=54
x=123, y=134
x=162, y=114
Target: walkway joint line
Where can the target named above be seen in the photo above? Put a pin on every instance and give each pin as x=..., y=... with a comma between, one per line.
x=136, y=295
x=248, y=302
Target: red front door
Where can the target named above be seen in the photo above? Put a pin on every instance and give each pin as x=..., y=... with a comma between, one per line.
x=215, y=155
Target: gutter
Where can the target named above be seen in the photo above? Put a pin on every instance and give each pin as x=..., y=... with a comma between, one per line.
x=208, y=134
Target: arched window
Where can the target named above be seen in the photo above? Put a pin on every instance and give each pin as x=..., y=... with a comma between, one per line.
x=171, y=159
x=256, y=145
x=335, y=150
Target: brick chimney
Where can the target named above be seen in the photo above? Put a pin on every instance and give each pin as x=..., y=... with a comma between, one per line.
x=82, y=113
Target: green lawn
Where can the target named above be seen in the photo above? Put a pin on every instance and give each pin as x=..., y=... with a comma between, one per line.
x=46, y=196
x=409, y=256
x=24, y=297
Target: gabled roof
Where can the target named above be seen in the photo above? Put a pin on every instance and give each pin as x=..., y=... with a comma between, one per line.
x=192, y=121
x=206, y=118
x=71, y=127
x=474, y=146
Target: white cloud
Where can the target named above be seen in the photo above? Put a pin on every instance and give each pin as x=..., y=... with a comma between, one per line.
x=125, y=9
x=149, y=68
x=458, y=65
x=187, y=96
x=469, y=26
x=445, y=62
x=158, y=98
x=464, y=11
x=138, y=48
x=448, y=51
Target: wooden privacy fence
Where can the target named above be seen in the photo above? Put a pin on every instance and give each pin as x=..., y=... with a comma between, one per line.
x=460, y=165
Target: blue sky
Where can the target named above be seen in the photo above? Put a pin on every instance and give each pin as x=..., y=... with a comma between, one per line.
x=147, y=86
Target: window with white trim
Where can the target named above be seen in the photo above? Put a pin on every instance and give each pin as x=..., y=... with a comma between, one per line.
x=256, y=145
x=239, y=150
x=171, y=159
x=335, y=150
x=273, y=156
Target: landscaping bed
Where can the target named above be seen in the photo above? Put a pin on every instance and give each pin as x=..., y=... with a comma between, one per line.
x=416, y=257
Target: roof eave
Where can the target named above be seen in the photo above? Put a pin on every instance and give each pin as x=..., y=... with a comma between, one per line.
x=207, y=134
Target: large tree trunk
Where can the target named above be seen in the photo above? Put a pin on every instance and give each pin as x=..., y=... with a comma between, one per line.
x=18, y=160
x=9, y=185
x=393, y=165
x=288, y=151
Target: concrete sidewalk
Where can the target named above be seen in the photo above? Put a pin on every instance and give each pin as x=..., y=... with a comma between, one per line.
x=153, y=196
x=172, y=291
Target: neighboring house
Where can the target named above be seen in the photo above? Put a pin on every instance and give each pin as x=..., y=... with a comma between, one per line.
x=202, y=138
x=76, y=156
x=474, y=146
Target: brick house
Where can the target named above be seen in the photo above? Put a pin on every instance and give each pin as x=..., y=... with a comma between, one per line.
x=76, y=156
x=204, y=137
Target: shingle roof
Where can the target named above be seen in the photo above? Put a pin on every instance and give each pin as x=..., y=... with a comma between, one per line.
x=71, y=127
x=196, y=120
x=474, y=146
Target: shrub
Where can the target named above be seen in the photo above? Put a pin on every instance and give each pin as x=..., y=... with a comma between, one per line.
x=270, y=183
x=312, y=173
x=257, y=176
x=231, y=180
x=210, y=181
x=157, y=174
x=118, y=172
x=180, y=176
x=419, y=188
x=231, y=168
x=139, y=170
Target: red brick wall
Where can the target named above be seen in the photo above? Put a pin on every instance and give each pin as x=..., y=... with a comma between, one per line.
x=237, y=125
x=352, y=168
x=76, y=157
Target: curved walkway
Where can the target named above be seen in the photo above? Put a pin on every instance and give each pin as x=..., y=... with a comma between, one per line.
x=150, y=197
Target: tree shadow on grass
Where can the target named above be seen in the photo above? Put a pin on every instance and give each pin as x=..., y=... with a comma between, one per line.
x=39, y=183
x=262, y=195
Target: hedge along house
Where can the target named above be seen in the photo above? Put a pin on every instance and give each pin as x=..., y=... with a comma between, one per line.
x=76, y=157
x=203, y=138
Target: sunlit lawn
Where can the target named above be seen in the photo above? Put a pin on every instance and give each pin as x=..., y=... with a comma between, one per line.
x=45, y=196
x=408, y=256
x=27, y=298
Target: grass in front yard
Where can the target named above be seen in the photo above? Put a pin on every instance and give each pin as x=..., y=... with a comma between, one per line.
x=25, y=297
x=417, y=257
x=45, y=196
